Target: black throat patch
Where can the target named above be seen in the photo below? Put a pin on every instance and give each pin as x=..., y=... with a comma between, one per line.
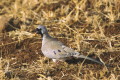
x=39, y=31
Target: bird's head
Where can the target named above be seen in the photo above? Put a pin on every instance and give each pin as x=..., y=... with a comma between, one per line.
x=41, y=30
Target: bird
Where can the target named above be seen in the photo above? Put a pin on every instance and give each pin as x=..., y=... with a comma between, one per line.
x=56, y=50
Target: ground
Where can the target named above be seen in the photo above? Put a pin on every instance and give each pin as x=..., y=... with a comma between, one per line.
x=89, y=27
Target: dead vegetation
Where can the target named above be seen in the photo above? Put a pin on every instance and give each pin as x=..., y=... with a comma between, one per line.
x=91, y=27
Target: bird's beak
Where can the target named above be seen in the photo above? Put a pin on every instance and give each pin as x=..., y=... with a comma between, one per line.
x=35, y=34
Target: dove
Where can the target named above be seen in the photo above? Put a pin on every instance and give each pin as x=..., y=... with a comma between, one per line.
x=56, y=50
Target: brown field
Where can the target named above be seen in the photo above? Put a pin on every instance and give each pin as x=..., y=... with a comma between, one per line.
x=91, y=27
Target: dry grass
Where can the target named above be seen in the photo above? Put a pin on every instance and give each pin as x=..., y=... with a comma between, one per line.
x=88, y=26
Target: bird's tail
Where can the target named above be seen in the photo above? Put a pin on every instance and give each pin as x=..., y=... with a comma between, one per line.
x=85, y=57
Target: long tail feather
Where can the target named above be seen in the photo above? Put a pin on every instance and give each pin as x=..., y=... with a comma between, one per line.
x=85, y=57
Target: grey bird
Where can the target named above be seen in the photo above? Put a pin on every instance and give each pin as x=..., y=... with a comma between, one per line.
x=55, y=49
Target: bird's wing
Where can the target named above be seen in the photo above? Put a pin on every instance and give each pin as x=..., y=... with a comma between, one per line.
x=55, y=49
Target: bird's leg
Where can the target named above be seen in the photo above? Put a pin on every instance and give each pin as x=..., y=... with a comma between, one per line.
x=57, y=61
x=54, y=60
